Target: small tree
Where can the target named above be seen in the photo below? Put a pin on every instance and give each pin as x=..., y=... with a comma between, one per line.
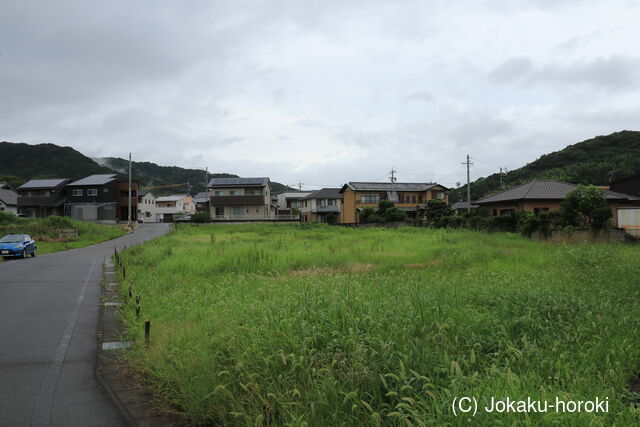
x=394, y=214
x=586, y=207
x=200, y=217
x=436, y=209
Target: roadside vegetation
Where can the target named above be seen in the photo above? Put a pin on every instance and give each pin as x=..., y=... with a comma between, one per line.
x=46, y=231
x=310, y=324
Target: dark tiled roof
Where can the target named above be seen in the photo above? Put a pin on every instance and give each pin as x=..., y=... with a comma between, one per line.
x=462, y=205
x=8, y=197
x=325, y=193
x=544, y=190
x=243, y=182
x=201, y=197
x=95, y=180
x=390, y=186
x=43, y=183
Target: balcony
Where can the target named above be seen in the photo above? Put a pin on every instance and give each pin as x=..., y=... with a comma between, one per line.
x=326, y=209
x=55, y=200
x=237, y=200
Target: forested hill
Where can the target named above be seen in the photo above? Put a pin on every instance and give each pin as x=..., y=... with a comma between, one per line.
x=153, y=175
x=22, y=162
x=587, y=162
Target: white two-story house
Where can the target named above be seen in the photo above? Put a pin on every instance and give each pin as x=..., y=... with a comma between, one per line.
x=240, y=198
x=321, y=206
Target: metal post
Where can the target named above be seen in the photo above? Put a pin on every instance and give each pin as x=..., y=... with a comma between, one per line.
x=468, y=163
x=129, y=215
x=147, y=331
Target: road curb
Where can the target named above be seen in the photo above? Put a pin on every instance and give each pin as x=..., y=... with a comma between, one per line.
x=134, y=403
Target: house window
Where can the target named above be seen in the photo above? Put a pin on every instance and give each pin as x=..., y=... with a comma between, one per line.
x=538, y=210
x=92, y=192
x=232, y=193
x=218, y=193
x=105, y=189
x=504, y=212
x=77, y=193
x=370, y=198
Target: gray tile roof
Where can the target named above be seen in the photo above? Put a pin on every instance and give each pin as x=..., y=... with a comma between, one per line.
x=43, y=183
x=8, y=197
x=462, y=205
x=201, y=197
x=234, y=182
x=544, y=190
x=95, y=180
x=325, y=193
x=389, y=186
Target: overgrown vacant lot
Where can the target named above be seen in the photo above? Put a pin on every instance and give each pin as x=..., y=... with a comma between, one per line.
x=283, y=324
x=46, y=232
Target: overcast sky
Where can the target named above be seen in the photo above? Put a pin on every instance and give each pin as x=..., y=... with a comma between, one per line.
x=320, y=92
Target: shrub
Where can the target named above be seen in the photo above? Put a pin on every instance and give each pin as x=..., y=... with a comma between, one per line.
x=332, y=219
x=394, y=214
x=200, y=217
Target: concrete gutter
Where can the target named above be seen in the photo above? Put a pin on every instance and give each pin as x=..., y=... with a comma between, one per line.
x=134, y=402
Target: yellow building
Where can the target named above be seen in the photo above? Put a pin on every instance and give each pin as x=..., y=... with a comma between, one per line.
x=410, y=197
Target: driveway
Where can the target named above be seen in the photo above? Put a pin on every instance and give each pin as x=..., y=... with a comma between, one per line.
x=49, y=309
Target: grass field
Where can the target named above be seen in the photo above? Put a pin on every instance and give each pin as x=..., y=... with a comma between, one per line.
x=46, y=232
x=291, y=325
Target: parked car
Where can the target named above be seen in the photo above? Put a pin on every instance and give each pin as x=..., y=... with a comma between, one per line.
x=17, y=245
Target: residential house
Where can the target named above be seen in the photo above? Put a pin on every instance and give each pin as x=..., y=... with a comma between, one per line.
x=202, y=202
x=321, y=206
x=629, y=185
x=240, y=198
x=102, y=198
x=147, y=205
x=176, y=205
x=462, y=207
x=411, y=197
x=286, y=202
x=544, y=196
x=8, y=199
x=40, y=198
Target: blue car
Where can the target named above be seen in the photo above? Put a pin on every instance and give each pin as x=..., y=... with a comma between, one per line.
x=17, y=245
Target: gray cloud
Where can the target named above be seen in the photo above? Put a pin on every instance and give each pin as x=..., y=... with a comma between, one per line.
x=612, y=73
x=321, y=92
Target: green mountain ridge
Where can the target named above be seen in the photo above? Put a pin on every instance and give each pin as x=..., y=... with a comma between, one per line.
x=594, y=161
x=20, y=162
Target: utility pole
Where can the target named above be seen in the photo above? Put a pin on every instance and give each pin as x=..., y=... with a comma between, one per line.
x=206, y=178
x=129, y=214
x=300, y=184
x=468, y=163
x=392, y=175
x=502, y=186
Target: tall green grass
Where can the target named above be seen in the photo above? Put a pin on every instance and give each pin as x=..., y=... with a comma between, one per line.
x=46, y=232
x=293, y=325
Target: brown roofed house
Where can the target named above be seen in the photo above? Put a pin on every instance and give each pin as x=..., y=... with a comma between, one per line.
x=543, y=196
x=410, y=197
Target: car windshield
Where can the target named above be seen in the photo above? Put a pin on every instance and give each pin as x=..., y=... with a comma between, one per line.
x=12, y=238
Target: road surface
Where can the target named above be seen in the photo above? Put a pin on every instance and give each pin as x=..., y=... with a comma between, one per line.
x=49, y=310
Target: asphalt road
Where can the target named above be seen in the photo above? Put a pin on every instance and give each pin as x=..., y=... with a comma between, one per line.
x=49, y=310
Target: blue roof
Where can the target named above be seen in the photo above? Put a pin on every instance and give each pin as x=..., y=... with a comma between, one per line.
x=241, y=182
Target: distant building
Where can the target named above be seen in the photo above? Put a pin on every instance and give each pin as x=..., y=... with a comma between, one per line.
x=289, y=201
x=102, y=198
x=40, y=198
x=240, y=198
x=147, y=205
x=544, y=196
x=8, y=199
x=202, y=202
x=320, y=205
x=462, y=207
x=410, y=197
x=176, y=205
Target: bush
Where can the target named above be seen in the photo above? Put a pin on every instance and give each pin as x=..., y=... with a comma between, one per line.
x=7, y=218
x=394, y=214
x=332, y=219
x=200, y=217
